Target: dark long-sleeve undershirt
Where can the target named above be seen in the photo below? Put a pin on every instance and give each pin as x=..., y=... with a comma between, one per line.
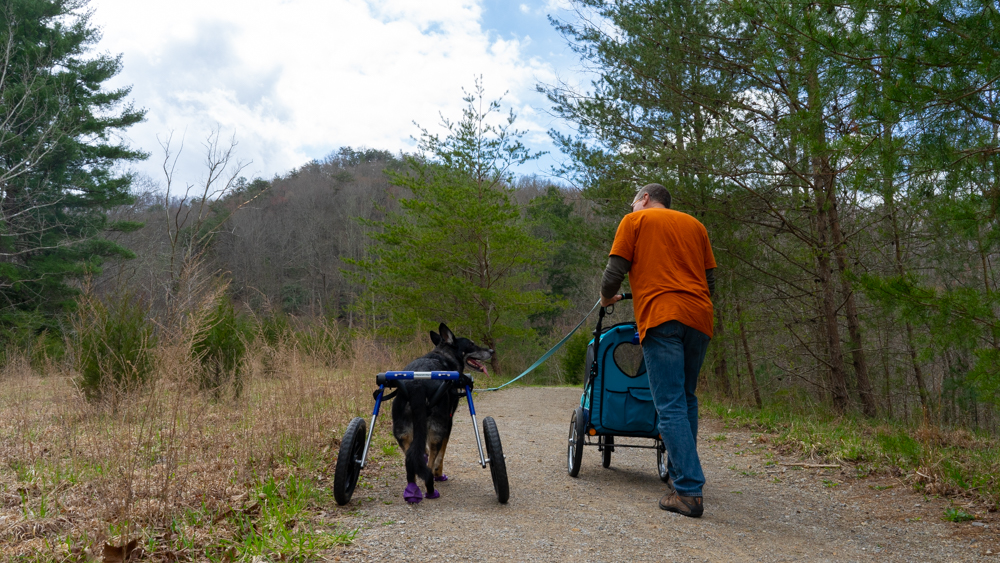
x=614, y=274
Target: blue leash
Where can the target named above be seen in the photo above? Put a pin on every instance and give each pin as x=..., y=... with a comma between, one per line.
x=550, y=352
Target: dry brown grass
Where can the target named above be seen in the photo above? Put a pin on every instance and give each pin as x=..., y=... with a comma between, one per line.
x=74, y=474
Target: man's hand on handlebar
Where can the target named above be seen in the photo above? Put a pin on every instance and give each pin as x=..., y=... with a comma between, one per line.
x=614, y=299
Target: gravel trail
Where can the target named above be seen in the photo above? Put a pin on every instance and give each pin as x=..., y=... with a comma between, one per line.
x=755, y=508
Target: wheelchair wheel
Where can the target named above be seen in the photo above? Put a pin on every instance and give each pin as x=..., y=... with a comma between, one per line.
x=577, y=429
x=661, y=462
x=345, y=477
x=498, y=465
x=608, y=447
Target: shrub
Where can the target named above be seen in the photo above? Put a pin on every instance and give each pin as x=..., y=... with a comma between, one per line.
x=574, y=358
x=272, y=329
x=114, y=344
x=322, y=340
x=220, y=346
x=32, y=336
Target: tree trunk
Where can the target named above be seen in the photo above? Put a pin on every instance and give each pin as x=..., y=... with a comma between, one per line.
x=863, y=382
x=918, y=374
x=721, y=372
x=838, y=379
x=822, y=184
x=746, y=350
x=888, y=391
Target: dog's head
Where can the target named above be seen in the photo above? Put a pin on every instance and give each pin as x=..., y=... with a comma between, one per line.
x=465, y=351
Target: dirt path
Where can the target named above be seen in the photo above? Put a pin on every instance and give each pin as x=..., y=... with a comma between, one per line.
x=753, y=511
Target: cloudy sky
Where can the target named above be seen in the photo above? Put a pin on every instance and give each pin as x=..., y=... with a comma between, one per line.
x=297, y=79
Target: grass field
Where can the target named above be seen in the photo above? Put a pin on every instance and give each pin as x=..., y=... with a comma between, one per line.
x=174, y=471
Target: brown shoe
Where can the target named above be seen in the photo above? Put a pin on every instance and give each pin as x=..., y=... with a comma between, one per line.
x=670, y=485
x=688, y=506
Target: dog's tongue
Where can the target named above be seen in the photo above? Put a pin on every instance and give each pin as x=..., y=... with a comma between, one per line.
x=478, y=365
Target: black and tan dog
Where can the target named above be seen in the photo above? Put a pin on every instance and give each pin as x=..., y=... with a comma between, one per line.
x=422, y=410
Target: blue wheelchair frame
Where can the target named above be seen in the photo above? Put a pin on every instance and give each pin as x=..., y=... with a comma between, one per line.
x=390, y=378
x=353, y=457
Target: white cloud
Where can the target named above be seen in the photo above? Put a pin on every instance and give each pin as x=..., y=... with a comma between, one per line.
x=299, y=78
x=554, y=5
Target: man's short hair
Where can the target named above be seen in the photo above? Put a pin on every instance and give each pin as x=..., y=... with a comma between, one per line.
x=656, y=193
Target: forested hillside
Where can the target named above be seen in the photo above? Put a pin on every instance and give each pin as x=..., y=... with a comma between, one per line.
x=842, y=155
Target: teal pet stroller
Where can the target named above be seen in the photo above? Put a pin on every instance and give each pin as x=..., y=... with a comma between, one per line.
x=616, y=400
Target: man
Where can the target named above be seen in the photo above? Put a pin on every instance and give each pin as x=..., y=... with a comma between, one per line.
x=670, y=265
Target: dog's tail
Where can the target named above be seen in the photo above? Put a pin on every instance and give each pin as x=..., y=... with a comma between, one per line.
x=416, y=455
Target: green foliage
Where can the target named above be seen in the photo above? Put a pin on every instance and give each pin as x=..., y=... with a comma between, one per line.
x=62, y=154
x=221, y=345
x=277, y=525
x=31, y=335
x=322, y=339
x=816, y=142
x=459, y=250
x=952, y=514
x=900, y=448
x=293, y=297
x=569, y=241
x=273, y=329
x=114, y=344
x=953, y=458
x=574, y=358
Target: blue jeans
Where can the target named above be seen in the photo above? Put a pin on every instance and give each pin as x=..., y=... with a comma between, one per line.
x=674, y=353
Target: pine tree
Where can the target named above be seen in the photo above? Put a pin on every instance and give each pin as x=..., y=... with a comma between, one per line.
x=459, y=250
x=59, y=156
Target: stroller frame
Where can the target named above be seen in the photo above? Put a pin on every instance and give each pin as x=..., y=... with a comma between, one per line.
x=584, y=424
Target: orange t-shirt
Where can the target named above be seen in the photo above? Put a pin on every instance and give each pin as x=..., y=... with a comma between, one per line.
x=669, y=252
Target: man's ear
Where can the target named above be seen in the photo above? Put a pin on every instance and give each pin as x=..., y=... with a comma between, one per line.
x=435, y=338
x=447, y=336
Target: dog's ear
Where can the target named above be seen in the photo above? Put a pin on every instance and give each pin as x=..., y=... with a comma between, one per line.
x=447, y=336
x=435, y=338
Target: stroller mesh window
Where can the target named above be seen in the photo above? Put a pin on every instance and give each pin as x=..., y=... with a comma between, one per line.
x=628, y=358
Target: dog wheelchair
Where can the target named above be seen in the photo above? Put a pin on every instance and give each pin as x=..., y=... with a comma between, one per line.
x=616, y=399
x=354, y=446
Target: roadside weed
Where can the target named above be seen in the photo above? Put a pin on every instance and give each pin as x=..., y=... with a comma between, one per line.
x=277, y=524
x=952, y=514
x=942, y=460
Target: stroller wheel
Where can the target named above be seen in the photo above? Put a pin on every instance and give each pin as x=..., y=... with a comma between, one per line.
x=498, y=465
x=661, y=462
x=345, y=477
x=609, y=446
x=577, y=429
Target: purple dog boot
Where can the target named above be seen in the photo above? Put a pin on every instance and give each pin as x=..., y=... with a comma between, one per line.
x=441, y=478
x=435, y=494
x=412, y=493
